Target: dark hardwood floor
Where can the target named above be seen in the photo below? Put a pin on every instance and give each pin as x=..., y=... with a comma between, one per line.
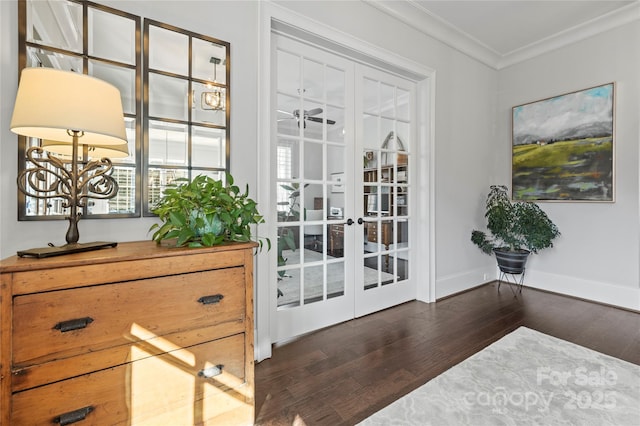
x=342, y=374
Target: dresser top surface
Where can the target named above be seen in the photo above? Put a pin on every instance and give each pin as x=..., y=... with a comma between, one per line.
x=126, y=251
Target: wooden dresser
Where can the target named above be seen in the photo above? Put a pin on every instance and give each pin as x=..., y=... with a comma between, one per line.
x=137, y=334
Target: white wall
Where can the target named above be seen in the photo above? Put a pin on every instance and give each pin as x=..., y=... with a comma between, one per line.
x=597, y=255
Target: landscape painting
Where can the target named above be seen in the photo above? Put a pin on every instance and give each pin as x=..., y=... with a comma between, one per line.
x=563, y=147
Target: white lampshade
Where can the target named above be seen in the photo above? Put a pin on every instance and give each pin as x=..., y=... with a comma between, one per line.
x=51, y=101
x=93, y=151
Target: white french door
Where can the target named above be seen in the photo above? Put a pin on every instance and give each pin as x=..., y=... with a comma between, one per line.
x=385, y=114
x=313, y=179
x=342, y=146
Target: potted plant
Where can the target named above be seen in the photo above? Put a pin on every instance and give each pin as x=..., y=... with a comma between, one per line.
x=205, y=212
x=516, y=230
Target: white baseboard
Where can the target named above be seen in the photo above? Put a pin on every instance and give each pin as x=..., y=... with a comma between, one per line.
x=610, y=294
x=455, y=283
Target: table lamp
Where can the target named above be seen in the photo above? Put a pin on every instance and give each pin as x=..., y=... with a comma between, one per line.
x=78, y=116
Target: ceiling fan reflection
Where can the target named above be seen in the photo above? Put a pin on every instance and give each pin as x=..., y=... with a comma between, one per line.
x=309, y=115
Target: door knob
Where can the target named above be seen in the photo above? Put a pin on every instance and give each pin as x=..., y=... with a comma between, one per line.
x=349, y=221
x=360, y=221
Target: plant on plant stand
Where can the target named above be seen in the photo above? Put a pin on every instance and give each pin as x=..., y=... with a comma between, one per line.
x=206, y=212
x=516, y=230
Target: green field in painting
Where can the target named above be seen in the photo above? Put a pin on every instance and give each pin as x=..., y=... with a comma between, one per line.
x=567, y=170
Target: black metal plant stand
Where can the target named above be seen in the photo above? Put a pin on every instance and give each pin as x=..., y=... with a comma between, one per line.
x=517, y=279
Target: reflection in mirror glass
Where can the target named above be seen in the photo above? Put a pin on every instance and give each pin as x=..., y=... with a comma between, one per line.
x=123, y=78
x=208, y=61
x=167, y=143
x=43, y=17
x=159, y=180
x=125, y=200
x=215, y=175
x=38, y=57
x=168, y=97
x=208, y=147
x=111, y=36
x=168, y=51
x=209, y=104
x=130, y=129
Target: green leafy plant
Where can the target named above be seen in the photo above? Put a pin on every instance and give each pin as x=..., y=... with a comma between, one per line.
x=514, y=226
x=206, y=212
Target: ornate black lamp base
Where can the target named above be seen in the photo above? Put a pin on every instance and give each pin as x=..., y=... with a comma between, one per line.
x=65, y=249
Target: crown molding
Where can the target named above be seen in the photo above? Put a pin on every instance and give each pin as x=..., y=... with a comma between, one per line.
x=424, y=21
x=609, y=21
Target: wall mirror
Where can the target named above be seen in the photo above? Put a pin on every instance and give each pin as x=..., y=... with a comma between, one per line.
x=187, y=98
x=176, y=107
x=92, y=39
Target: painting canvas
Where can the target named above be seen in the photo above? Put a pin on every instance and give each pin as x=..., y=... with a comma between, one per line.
x=562, y=147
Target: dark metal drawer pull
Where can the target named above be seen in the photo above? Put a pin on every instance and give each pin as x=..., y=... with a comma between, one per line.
x=74, y=324
x=210, y=300
x=210, y=372
x=73, y=416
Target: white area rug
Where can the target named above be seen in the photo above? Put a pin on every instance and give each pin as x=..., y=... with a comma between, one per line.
x=525, y=378
x=290, y=284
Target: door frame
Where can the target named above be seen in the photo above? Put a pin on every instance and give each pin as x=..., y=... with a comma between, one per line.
x=275, y=17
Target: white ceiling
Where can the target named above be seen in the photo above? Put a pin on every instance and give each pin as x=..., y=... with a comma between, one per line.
x=501, y=33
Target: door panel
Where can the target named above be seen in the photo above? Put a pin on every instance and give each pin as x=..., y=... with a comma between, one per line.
x=385, y=116
x=313, y=151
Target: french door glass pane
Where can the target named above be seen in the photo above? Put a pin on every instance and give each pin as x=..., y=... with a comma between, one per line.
x=313, y=155
x=335, y=124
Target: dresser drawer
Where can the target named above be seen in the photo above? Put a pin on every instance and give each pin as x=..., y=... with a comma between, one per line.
x=193, y=385
x=60, y=324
